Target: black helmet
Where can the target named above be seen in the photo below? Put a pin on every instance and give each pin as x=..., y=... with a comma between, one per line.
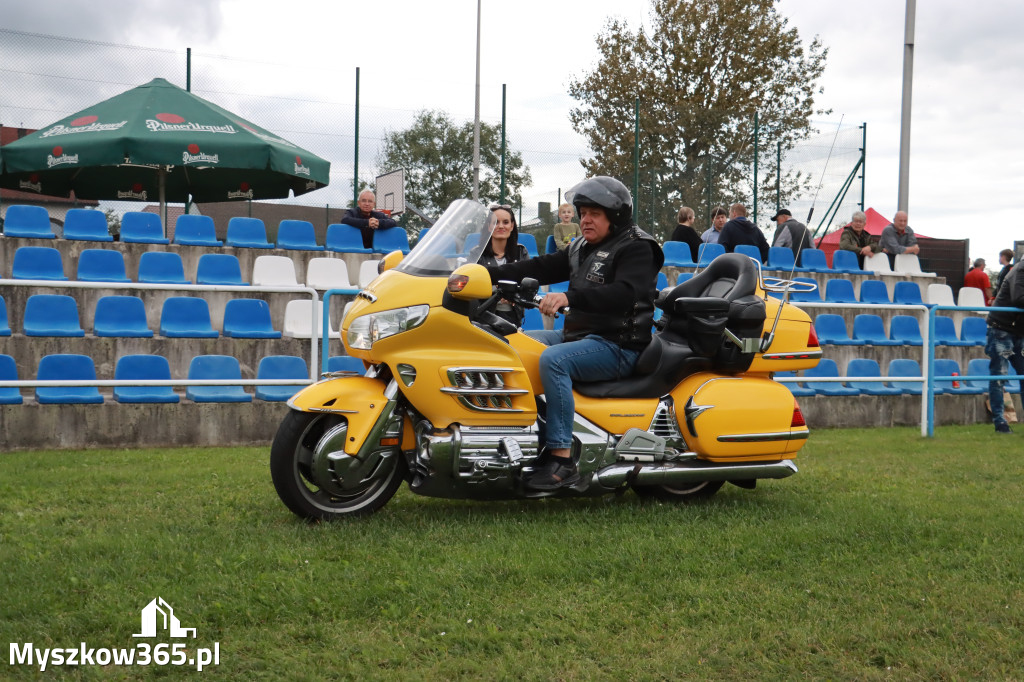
x=607, y=193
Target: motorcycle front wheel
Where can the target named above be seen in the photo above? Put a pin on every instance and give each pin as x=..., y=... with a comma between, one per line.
x=318, y=493
x=689, y=493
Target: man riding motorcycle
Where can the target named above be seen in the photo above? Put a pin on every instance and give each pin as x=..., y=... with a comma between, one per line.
x=612, y=274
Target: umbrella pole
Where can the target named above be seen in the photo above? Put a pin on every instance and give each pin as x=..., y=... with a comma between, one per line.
x=162, y=180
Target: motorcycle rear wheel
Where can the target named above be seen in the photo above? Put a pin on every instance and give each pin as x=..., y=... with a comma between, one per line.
x=290, y=468
x=689, y=493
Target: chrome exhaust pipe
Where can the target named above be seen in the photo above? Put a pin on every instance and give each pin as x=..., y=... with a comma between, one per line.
x=692, y=472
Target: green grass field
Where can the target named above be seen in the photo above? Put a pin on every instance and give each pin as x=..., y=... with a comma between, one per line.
x=888, y=556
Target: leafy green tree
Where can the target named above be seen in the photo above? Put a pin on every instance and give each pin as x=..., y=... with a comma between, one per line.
x=437, y=155
x=700, y=72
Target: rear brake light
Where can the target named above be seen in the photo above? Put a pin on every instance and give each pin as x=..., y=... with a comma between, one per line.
x=812, y=338
x=798, y=416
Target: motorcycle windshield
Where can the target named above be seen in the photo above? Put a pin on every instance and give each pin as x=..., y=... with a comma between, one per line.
x=452, y=241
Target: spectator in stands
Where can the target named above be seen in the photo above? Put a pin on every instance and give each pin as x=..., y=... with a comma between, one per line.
x=566, y=230
x=499, y=244
x=1004, y=342
x=897, y=237
x=684, y=231
x=366, y=219
x=739, y=230
x=977, y=277
x=855, y=238
x=790, y=232
x=1005, y=263
x=718, y=218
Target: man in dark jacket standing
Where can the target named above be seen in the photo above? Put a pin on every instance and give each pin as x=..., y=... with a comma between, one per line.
x=612, y=273
x=1004, y=342
x=791, y=232
x=366, y=219
x=739, y=230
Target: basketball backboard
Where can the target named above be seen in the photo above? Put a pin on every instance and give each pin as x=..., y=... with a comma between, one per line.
x=391, y=192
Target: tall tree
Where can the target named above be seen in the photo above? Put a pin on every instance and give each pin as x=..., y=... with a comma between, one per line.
x=700, y=72
x=437, y=155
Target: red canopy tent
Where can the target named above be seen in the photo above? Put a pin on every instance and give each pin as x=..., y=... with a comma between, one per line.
x=876, y=223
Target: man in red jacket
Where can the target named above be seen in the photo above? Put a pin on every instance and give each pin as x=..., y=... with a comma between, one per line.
x=978, y=278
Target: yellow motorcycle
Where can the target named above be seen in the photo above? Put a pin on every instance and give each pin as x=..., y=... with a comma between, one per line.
x=449, y=399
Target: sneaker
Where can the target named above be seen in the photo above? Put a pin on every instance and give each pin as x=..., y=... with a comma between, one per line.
x=554, y=474
x=1003, y=427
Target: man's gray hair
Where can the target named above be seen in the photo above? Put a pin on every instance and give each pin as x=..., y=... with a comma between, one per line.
x=859, y=215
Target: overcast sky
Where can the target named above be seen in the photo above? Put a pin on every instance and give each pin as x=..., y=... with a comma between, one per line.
x=967, y=167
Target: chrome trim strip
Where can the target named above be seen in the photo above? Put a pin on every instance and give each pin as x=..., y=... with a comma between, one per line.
x=763, y=437
x=367, y=295
x=483, y=391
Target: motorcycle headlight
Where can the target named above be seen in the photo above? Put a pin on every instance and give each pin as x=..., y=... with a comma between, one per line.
x=365, y=330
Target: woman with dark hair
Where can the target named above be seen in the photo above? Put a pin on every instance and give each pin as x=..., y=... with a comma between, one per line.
x=499, y=244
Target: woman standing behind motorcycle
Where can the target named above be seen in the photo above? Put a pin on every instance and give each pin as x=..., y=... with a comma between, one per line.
x=500, y=246
x=612, y=274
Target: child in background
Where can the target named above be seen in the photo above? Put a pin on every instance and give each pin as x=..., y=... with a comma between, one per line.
x=566, y=230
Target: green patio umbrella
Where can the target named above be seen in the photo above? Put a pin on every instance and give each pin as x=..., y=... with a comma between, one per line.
x=158, y=142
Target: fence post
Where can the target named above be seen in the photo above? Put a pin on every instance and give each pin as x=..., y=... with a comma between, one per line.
x=863, y=161
x=755, y=167
x=778, y=176
x=636, y=154
x=355, y=165
x=502, y=192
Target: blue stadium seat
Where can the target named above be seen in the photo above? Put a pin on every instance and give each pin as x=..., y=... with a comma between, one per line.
x=280, y=367
x=196, y=230
x=219, y=268
x=806, y=296
x=558, y=287
x=139, y=227
x=813, y=260
x=29, y=222
x=5, y=325
x=683, y=276
x=248, y=233
x=945, y=332
x=345, y=239
x=865, y=367
x=38, y=262
x=85, y=224
x=839, y=291
x=186, y=317
x=472, y=239
x=826, y=369
x=121, y=316
x=67, y=367
x=559, y=322
x=973, y=330
x=794, y=387
x=904, y=367
x=831, y=330
x=248, y=318
x=549, y=244
x=216, y=367
x=162, y=267
x=946, y=368
x=678, y=255
x=662, y=281
x=905, y=330
x=846, y=263
x=869, y=330
x=101, y=265
x=781, y=258
x=297, y=235
x=980, y=367
x=750, y=251
x=9, y=395
x=707, y=253
x=391, y=239
x=874, y=291
x=446, y=245
x=144, y=367
x=345, y=363
x=52, y=315
x=533, y=320
x=530, y=242
x=907, y=293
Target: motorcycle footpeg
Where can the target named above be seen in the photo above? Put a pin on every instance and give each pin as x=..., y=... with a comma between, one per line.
x=511, y=450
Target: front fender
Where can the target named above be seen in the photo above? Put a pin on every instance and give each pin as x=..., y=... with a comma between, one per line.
x=360, y=399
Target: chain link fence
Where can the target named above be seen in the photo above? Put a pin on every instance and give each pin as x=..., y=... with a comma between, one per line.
x=44, y=78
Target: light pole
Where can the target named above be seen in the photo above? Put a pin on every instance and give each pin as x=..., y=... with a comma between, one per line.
x=903, y=197
x=476, y=117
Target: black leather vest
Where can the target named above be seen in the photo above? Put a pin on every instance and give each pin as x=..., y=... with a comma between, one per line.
x=631, y=329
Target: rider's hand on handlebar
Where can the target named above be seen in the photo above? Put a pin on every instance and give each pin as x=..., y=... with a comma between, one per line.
x=553, y=303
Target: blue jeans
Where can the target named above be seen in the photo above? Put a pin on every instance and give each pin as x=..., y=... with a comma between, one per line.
x=1003, y=349
x=591, y=358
